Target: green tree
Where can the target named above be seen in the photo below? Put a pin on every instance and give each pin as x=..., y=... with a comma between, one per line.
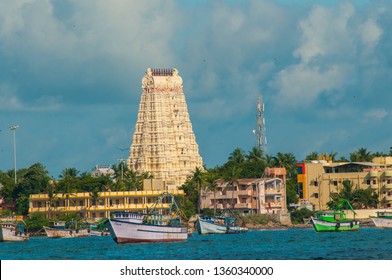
x=237, y=156
x=211, y=185
x=361, y=155
x=198, y=182
x=255, y=155
x=231, y=178
x=311, y=156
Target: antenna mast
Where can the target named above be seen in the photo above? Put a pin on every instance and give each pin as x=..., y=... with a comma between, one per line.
x=261, y=131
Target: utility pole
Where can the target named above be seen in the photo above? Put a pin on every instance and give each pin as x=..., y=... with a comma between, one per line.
x=121, y=160
x=13, y=128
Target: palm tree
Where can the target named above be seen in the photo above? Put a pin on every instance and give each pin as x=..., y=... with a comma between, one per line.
x=362, y=155
x=237, y=156
x=231, y=179
x=211, y=185
x=270, y=161
x=69, y=173
x=255, y=155
x=312, y=156
x=198, y=181
x=332, y=156
x=288, y=161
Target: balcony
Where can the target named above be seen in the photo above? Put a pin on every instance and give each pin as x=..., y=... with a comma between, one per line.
x=388, y=186
x=273, y=191
x=374, y=187
x=244, y=193
x=388, y=173
x=243, y=205
x=373, y=173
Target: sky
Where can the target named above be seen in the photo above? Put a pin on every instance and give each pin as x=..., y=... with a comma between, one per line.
x=70, y=76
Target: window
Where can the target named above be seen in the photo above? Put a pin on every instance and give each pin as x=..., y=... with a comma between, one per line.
x=316, y=195
x=368, y=182
x=335, y=183
x=300, y=190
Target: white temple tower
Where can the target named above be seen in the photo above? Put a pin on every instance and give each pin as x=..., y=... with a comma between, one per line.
x=164, y=144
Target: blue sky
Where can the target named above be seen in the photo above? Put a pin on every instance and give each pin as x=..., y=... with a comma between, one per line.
x=70, y=75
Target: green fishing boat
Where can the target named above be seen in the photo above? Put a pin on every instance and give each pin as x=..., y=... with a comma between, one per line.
x=336, y=220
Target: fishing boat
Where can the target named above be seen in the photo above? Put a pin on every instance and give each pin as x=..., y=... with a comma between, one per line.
x=218, y=225
x=163, y=223
x=383, y=219
x=59, y=229
x=12, y=231
x=335, y=220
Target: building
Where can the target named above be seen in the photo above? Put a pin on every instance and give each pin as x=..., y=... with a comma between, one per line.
x=163, y=143
x=250, y=196
x=92, y=207
x=103, y=170
x=318, y=179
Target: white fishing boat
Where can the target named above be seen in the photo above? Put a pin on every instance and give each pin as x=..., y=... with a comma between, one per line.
x=59, y=230
x=383, y=220
x=161, y=224
x=11, y=231
x=218, y=225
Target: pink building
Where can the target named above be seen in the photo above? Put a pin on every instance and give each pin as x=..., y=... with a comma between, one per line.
x=250, y=196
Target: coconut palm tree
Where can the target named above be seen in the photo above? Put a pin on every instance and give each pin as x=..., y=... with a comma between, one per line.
x=231, y=178
x=237, y=156
x=211, y=185
x=312, y=156
x=198, y=182
x=361, y=155
x=255, y=155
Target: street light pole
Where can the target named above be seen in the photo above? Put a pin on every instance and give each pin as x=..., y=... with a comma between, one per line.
x=13, y=128
x=121, y=160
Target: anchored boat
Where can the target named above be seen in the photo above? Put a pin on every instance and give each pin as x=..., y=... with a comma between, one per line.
x=60, y=230
x=163, y=223
x=12, y=231
x=218, y=225
x=336, y=219
x=383, y=219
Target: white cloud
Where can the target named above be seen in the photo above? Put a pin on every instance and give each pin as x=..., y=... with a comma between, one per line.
x=375, y=115
x=325, y=32
x=300, y=85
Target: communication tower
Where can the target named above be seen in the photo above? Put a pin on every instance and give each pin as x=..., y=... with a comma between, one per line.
x=261, y=131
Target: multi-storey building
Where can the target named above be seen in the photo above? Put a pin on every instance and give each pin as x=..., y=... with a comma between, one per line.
x=94, y=207
x=249, y=196
x=318, y=179
x=164, y=144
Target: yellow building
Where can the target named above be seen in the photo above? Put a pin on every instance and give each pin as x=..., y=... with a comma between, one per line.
x=318, y=179
x=95, y=208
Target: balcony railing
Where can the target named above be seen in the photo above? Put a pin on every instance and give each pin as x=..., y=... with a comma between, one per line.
x=113, y=207
x=374, y=186
x=388, y=186
x=273, y=191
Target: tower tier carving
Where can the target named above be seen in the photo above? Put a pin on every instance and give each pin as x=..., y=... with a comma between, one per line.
x=163, y=143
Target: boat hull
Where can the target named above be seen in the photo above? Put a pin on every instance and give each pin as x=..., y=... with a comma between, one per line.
x=326, y=226
x=128, y=232
x=206, y=227
x=382, y=222
x=65, y=233
x=11, y=235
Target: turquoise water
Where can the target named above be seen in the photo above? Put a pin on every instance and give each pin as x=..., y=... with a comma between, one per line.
x=292, y=244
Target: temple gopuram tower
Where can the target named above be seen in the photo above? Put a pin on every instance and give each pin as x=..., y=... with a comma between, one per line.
x=164, y=144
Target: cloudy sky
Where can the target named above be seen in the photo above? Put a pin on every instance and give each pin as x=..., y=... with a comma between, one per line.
x=70, y=75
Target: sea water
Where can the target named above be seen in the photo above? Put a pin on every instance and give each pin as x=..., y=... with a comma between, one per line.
x=291, y=244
